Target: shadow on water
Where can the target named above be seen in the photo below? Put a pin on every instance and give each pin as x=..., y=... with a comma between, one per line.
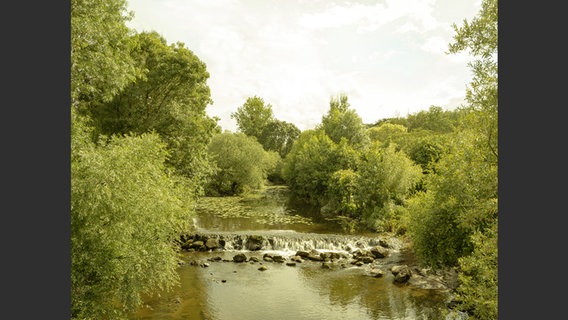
x=213, y=287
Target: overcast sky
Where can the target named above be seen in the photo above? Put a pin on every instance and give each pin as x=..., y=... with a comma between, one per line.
x=387, y=56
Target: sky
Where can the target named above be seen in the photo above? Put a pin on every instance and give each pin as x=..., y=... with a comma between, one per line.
x=388, y=56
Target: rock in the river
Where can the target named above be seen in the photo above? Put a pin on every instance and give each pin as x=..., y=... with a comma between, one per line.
x=254, y=243
x=240, y=257
x=376, y=272
x=401, y=273
x=278, y=258
x=314, y=255
x=379, y=252
x=296, y=259
x=263, y=268
x=212, y=243
x=197, y=245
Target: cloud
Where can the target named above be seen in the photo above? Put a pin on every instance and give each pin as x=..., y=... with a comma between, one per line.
x=387, y=56
x=368, y=18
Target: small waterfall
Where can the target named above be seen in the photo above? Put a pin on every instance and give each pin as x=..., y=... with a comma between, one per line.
x=286, y=241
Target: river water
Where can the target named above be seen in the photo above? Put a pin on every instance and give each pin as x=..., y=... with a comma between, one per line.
x=214, y=287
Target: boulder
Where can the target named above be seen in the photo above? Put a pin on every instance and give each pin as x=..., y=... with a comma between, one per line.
x=212, y=243
x=376, y=272
x=240, y=257
x=254, y=243
x=379, y=252
x=401, y=273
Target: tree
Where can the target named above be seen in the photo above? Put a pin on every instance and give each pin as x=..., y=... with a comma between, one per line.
x=101, y=43
x=310, y=164
x=385, y=178
x=427, y=151
x=127, y=207
x=171, y=100
x=479, y=276
x=343, y=122
x=279, y=136
x=386, y=132
x=434, y=119
x=253, y=116
x=242, y=164
x=455, y=221
x=126, y=213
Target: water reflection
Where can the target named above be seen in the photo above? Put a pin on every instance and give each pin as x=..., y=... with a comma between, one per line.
x=378, y=298
x=233, y=291
x=273, y=209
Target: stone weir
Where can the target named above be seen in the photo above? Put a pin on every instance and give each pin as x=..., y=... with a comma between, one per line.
x=284, y=241
x=375, y=254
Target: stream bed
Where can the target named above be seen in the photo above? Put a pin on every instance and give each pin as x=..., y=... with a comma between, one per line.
x=215, y=287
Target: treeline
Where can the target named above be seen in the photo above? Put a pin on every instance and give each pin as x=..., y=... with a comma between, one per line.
x=144, y=149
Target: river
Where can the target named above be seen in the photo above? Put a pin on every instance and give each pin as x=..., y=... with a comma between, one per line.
x=213, y=287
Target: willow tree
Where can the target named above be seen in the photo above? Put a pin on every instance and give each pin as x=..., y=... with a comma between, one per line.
x=126, y=213
x=385, y=179
x=127, y=207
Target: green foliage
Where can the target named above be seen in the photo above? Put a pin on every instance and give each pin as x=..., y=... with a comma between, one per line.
x=480, y=36
x=478, y=278
x=455, y=221
x=311, y=163
x=434, y=120
x=427, y=151
x=253, y=116
x=439, y=240
x=278, y=136
x=171, y=100
x=101, y=43
x=341, y=193
x=386, y=132
x=386, y=177
x=242, y=164
x=461, y=198
x=275, y=174
x=127, y=207
x=126, y=212
x=343, y=122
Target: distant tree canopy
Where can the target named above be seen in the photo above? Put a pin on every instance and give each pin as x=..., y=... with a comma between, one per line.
x=434, y=119
x=343, y=122
x=255, y=119
x=253, y=116
x=279, y=136
x=386, y=132
x=241, y=164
